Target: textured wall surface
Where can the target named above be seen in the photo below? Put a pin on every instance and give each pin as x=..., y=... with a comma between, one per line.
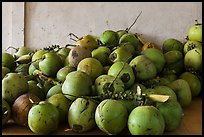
x=50, y=23
x=12, y=25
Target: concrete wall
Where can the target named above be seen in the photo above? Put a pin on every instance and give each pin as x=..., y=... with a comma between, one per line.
x=50, y=23
x=12, y=25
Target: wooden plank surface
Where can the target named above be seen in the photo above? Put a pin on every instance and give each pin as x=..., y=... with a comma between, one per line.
x=191, y=124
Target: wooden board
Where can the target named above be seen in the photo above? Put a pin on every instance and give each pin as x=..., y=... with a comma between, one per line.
x=191, y=124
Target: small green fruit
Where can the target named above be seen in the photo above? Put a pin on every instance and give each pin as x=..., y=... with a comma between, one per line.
x=193, y=81
x=88, y=41
x=62, y=73
x=102, y=53
x=13, y=85
x=120, y=54
x=146, y=120
x=172, y=112
x=182, y=90
x=43, y=118
x=5, y=70
x=109, y=38
x=6, y=112
x=81, y=115
x=111, y=116
x=126, y=75
x=143, y=68
x=91, y=66
x=8, y=61
x=129, y=37
x=172, y=44
x=193, y=60
x=195, y=32
x=51, y=64
x=189, y=45
x=54, y=90
x=62, y=104
x=77, y=84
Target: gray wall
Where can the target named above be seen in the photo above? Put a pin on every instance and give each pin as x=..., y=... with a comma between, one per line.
x=50, y=23
x=12, y=25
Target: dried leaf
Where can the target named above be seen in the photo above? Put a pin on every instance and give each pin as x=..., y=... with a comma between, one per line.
x=5, y=112
x=158, y=98
x=139, y=91
x=31, y=101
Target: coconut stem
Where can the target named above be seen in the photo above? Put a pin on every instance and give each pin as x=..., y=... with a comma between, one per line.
x=72, y=34
x=12, y=48
x=45, y=78
x=128, y=29
x=119, y=73
x=86, y=97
